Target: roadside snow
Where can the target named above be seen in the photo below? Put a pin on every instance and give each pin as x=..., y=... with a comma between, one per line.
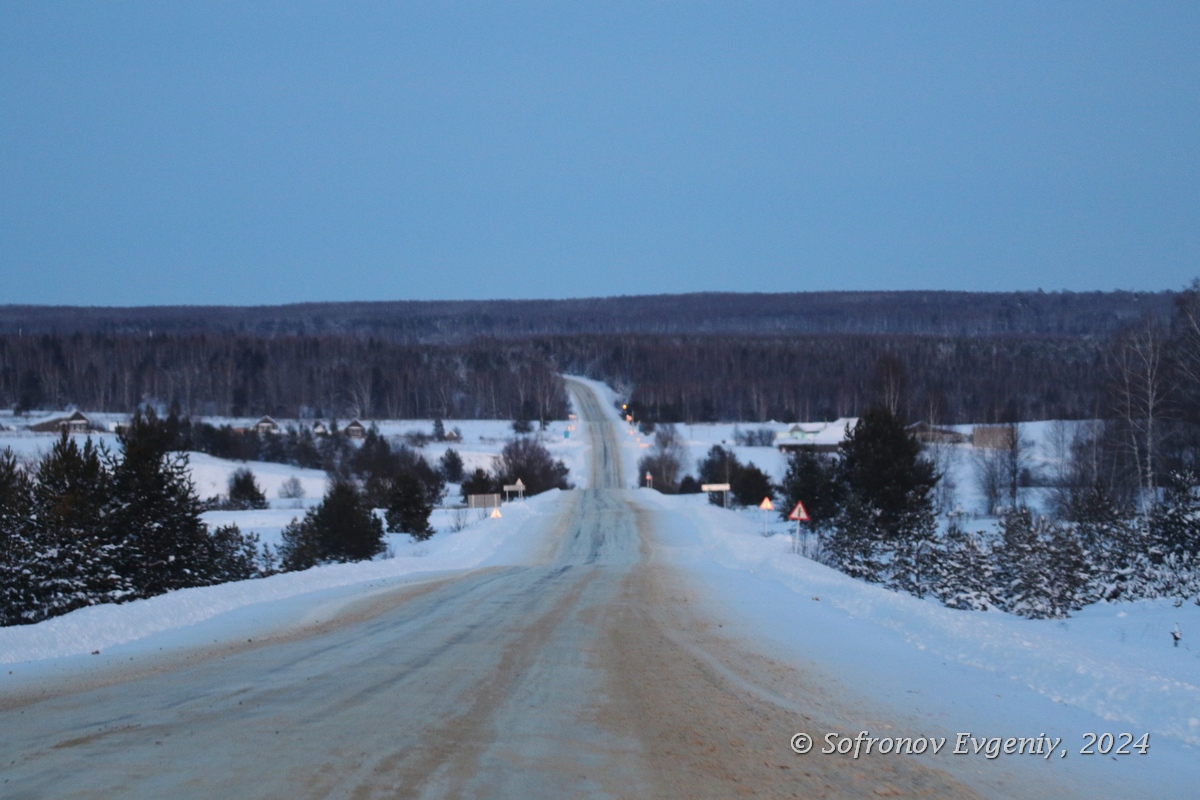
x=1112, y=667
x=484, y=542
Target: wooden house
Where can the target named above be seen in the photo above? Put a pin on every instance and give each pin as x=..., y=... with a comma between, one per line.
x=76, y=423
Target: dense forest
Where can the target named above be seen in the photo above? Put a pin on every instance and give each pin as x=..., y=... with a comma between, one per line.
x=288, y=376
x=1094, y=314
x=668, y=378
x=943, y=357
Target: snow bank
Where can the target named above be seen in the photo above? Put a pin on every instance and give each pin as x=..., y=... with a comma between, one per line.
x=483, y=542
x=1115, y=661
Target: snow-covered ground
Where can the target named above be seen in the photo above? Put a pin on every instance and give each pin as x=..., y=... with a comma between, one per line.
x=177, y=618
x=482, y=441
x=1110, y=668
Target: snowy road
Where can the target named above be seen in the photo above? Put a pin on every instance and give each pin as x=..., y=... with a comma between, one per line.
x=587, y=674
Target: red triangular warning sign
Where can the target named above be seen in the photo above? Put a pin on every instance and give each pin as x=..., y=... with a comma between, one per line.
x=798, y=513
x=766, y=504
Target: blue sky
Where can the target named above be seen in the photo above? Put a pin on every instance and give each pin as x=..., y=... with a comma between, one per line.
x=249, y=153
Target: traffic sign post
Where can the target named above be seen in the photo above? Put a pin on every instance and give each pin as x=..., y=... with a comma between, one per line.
x=799, y=514
x=518, y=487
x=717, y=487
x=766, y=505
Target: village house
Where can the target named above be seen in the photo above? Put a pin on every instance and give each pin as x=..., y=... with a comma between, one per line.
x=76, y=423
x=356, y=430
x=266, y=425
x=819, y=437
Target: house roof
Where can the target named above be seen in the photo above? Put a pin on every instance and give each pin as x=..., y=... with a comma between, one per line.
x=816, y=433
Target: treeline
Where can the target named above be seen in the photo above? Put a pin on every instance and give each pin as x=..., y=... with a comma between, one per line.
x=922, y=313
x=941, y=357
x=288, y=376
x=668, y=378
x=936, y=379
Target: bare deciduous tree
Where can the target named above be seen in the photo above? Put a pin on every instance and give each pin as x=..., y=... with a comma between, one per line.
x=1137, y=373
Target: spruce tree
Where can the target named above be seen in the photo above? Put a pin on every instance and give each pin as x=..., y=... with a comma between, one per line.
x=881, y=464
x=750, y=485
x=812, y=479
x=451, y=465
x=341, y=528
x=966, y=576
x=409, y=508
x=233, y=555
x=480, y=482
x=882, y=470
x=78, y=553
x=244, y=493
x=17, y=566
x=853, y=544
x=718, y=466
x=164, y=544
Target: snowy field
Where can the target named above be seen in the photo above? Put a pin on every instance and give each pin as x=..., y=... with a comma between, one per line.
x=481, y=443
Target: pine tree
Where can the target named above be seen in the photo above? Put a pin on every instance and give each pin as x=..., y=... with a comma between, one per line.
x=881, y=464
x=244, y=493
x=915, y=553
x=451, y=465
x=341, y=528
x=1176, y=521
x=233, y=555
x=156, y=512
x=1071, y=572
x=1033, y=581
x=718, y=466
x=852, y=542
x=811, y=479
x=409, y=508
x=966, y=576
x=750, y=485
x=1114, y=541
x=78, y=555
x=16, y=540
x=480, y=482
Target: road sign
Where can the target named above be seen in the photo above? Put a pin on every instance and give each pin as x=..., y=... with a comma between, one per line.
x=766, y=504
x=495, y=513
x=518, y=487
x=714, y=487
x=798, y=513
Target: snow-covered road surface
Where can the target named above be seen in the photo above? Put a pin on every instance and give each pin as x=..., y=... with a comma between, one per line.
x=597, y=668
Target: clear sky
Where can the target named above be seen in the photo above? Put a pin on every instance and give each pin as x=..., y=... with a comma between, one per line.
x=255, y=152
